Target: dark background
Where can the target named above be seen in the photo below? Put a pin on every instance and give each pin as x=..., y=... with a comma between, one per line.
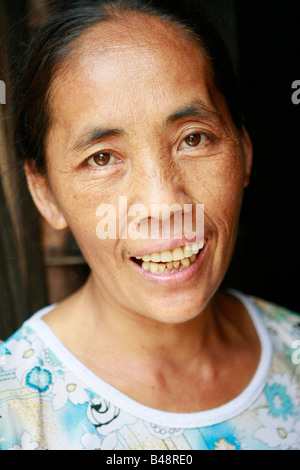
x=267, y=256
x=264, y=41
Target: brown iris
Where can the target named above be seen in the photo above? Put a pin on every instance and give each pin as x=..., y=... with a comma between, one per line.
x=102, y=158
x=193, y=140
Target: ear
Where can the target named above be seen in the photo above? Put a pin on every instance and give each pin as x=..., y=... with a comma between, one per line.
x=248, y=155
x=43, y=196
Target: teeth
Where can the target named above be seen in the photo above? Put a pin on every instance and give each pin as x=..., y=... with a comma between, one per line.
x=185, y=262
x=154, y=268
x=166, y=256
x=162, y=268
x=195, y=248
x=175, y=260
x=155, y=257
x=178, y=254
x=187, y=251
x=200, y=244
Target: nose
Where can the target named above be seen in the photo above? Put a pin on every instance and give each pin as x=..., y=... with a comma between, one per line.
x=161, y=181
x=162, y=200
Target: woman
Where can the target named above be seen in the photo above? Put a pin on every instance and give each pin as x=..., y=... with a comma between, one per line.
x=124, y=100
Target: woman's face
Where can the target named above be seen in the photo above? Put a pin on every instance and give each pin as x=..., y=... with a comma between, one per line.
x=134, y=112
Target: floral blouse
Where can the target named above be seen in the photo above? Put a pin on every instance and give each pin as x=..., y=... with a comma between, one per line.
x=50, y=400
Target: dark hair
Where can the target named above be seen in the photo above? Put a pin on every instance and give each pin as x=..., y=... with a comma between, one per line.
x=53, y=42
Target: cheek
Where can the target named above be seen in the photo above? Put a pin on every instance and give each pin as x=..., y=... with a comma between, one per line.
x=79, y=202
x=78, y=208
x=219, y=185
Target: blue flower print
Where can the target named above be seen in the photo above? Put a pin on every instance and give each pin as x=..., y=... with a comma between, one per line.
x=280, y=403
x=39, y=379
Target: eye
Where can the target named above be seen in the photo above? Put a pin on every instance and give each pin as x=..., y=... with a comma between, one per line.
x=101, y=159
x=193, y=140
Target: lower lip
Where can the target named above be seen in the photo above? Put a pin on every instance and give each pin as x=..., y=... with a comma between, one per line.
x=178, y=277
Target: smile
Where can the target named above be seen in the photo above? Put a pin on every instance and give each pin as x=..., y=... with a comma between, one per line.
x=170, y=261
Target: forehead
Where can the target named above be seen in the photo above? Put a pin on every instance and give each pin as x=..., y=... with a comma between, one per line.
x=120, y=69
x=146, y=35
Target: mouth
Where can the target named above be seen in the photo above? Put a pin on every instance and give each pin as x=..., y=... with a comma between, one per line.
x=171, y=261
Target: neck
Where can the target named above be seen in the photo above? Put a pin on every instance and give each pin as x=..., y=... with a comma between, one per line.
x=193, y=365
x=112, y=327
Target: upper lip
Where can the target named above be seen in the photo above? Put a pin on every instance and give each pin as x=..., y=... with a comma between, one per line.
x=163, y=245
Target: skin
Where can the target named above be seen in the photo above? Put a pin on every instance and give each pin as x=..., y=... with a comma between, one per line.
x=189, y=347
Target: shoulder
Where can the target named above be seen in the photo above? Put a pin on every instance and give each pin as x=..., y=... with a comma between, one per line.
x=24, y=345
x=283, y=326
x=21, y=364
x=276, y=312
x=21, y=347
x=24, y=357
x=36, y=391
x=277, y=408
x=23, y=378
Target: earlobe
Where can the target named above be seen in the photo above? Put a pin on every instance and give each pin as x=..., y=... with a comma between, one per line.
x=43, y=197
x=248, y=155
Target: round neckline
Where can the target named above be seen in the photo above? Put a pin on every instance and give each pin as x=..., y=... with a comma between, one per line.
x=159, y=417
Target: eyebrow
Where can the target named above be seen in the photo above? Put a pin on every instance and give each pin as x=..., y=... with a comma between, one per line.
x=95, y=135
x=195, y=109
